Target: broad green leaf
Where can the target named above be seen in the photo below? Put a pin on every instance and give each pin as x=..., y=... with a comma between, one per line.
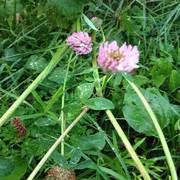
x=96, y=141
x=58, y=158
x=6, y=166
x=72, y=110
x=140, y=80
x=87, y=71
x=138, y=118
x=49, y=85
x=85, y=90
x=45, y=121
x=58, y=75
x=76, y=156
x=36, y=63
x=99, y=103
x=46, y=143
x=83, y=165
x=20, y=168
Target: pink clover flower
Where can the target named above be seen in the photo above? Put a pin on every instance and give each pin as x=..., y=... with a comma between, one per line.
x=115, y=59
x=80, y=42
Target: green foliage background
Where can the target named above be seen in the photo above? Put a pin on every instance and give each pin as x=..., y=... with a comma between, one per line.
x=30, y=33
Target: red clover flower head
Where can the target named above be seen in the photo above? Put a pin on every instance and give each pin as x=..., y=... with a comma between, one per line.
x=115, y=59
x=19, y=126
x=80, y=42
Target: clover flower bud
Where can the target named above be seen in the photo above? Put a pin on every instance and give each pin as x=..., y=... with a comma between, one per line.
x=97, y=21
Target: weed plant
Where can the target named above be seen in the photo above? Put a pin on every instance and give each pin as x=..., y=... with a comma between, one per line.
x=46, y=86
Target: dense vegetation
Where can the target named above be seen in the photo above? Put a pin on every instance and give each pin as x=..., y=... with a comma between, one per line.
x=33, y=34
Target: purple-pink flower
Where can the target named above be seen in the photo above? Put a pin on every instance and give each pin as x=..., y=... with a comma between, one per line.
x=80, y=42
x=118, y=59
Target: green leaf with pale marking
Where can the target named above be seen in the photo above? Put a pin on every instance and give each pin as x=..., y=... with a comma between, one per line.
x=58, y=76
x=136, y=115
x=99, y=103
x=85, y=90
x=95, y=141
x=45, y=121
x=36, y=63
x=76, y=156
x=58, y=158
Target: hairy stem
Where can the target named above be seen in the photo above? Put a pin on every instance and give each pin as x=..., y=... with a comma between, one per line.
x=95, y=67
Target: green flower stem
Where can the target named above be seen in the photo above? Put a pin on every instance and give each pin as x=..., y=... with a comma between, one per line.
x=62, y=118
x=95, y=67
x=60, y=52
x=54, y=146
x=120, y=132
x=159, y=131
x=128, y=146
